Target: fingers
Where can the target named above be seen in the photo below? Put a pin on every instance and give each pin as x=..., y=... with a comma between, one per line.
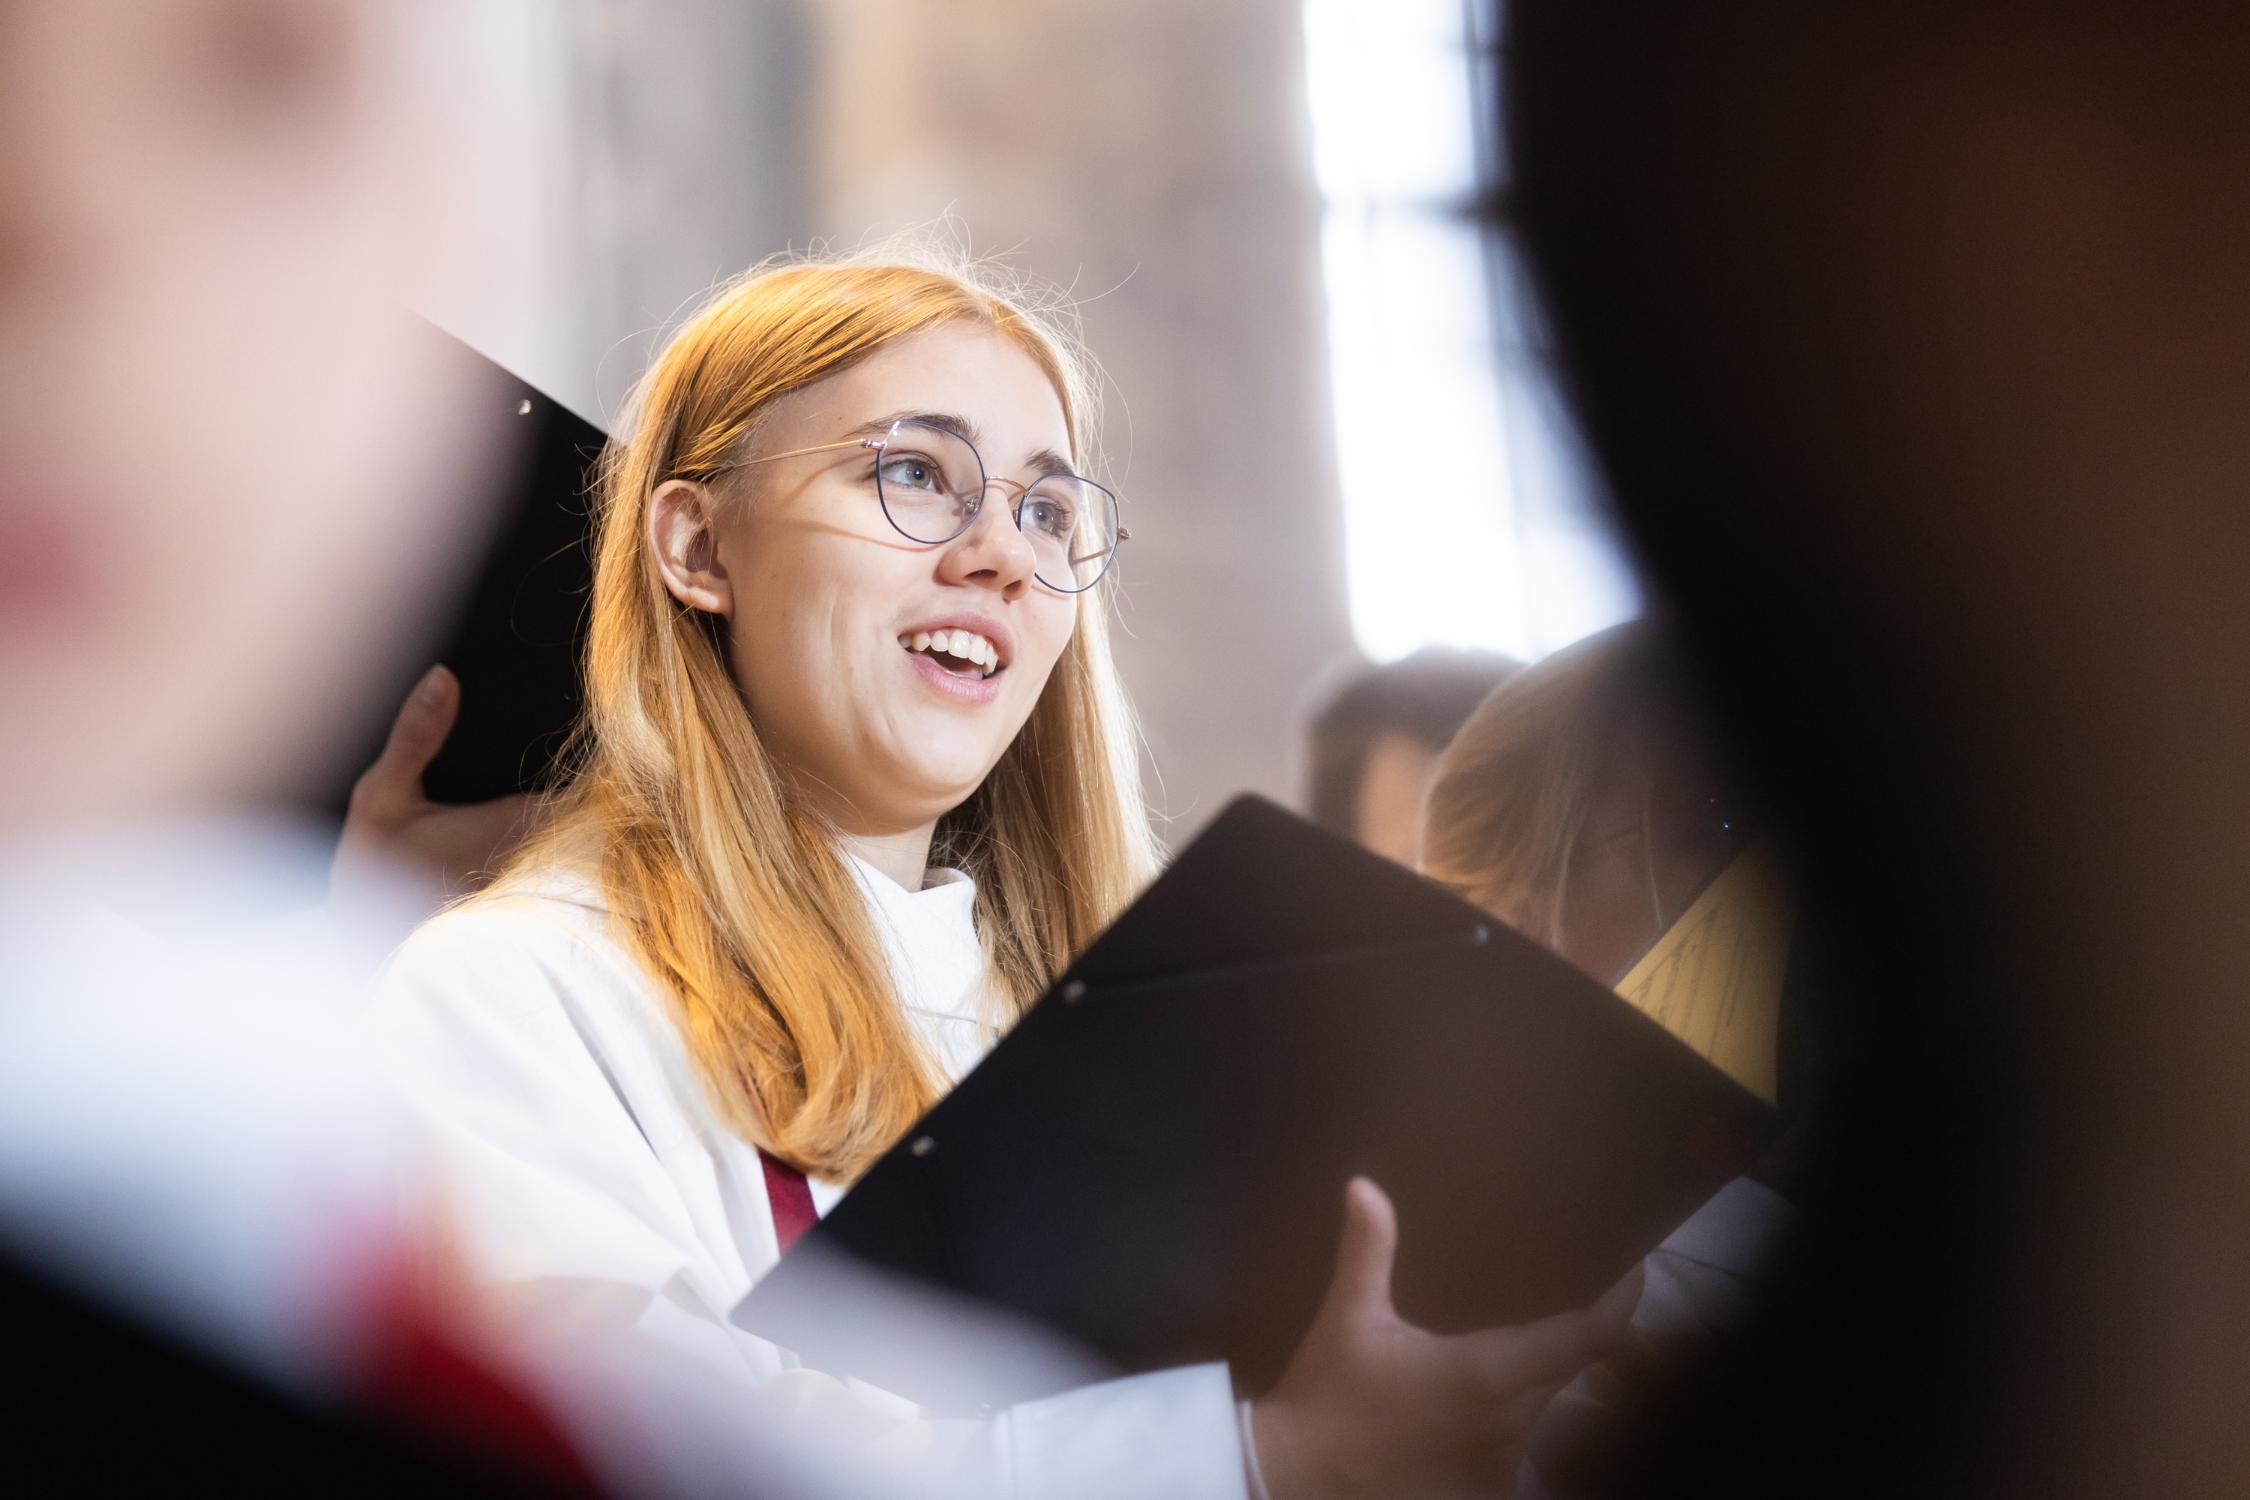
x=1362, y=1283
x=1576, y=1443
x=1545, y=1353
x=484, y=834
x=1520, y=1411
x=1580, y=1440
x=506, y=819
x=1613, y=1312
x=417, y=734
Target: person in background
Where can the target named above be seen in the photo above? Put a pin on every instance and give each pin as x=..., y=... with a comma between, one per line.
x=1586, y=804
x=1374, y=744
x=1581, y=803
x=1589, y=805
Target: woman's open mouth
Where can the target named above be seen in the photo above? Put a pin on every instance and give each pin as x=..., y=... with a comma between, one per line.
x=960, y=653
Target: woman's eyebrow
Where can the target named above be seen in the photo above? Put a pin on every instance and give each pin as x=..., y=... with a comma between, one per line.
x=945, y=421
x=1047, y=463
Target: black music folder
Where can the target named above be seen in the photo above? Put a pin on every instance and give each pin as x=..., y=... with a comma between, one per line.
x=512, y=624
x=1151, y=1165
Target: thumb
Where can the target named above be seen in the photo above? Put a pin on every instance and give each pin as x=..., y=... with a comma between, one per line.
x=1362, y=1280
x=417, y=734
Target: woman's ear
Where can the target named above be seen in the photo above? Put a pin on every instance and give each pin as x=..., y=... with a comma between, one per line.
x=683, y=537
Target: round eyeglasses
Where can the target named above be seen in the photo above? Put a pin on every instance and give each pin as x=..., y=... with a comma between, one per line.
x=931, y=483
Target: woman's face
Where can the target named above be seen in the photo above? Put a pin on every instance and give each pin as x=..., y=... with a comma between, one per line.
x=828, y=601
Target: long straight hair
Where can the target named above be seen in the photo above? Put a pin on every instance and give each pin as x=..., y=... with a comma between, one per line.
x=729, y=889
x=1513, y=797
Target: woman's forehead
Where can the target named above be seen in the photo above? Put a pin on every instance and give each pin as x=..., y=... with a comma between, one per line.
x=969, y=371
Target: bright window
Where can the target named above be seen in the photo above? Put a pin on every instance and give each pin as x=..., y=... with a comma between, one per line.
x=1468, y=520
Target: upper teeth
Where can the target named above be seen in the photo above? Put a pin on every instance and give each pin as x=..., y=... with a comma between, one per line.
x=966, y=644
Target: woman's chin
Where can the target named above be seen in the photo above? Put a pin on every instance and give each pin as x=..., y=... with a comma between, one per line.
x=923, y=785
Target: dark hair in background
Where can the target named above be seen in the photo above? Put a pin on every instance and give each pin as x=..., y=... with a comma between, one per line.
x=1427, y=697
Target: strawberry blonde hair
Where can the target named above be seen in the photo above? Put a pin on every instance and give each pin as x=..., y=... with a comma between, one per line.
x=729, y=889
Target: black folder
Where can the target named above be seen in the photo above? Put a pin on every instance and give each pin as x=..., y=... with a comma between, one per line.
x=513, y=625
x=1151, y=1164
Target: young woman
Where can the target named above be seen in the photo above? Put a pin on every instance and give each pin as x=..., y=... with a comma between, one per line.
x=855, y=784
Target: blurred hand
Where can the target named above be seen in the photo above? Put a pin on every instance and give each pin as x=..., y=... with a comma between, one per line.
x=1373, y=1406
x=1582, y=1439
x=392, y=828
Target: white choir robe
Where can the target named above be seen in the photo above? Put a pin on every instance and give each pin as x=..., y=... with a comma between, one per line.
x=612, y=1219
x=187, y=1133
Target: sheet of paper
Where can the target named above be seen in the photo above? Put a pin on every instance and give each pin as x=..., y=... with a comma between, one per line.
x=1714, y=979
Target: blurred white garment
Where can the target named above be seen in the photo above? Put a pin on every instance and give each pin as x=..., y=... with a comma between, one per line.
x=608, y=1212
x=191, y=1132
x=1703, y=1279
x=186, y=1130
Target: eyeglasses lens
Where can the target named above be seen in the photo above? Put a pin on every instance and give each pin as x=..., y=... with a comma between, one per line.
x=931, y=483
x=1072, y=526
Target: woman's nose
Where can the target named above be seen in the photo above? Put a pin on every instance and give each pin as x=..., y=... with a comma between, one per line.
x=993, y=552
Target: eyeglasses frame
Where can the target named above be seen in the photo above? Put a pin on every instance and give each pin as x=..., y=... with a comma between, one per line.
x=976, y=507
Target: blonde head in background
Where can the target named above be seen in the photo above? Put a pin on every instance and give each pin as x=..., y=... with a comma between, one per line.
x=1582, y=803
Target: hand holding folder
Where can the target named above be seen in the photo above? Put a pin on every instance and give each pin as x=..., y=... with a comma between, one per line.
x=1405, y=1411
x=1151, y=1166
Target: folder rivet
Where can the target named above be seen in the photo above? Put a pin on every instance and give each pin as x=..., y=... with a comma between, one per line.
x=1481, y=935
x=923, y=1145
x=523, y=407
x=1074, y=992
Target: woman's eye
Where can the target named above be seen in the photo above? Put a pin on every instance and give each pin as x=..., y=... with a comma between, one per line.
x=908, y=471
x=1049, y=517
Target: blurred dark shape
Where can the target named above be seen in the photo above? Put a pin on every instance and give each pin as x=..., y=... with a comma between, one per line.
x=1375, y=743
x=1914, y=341
x=122, y=1408
x=515, y=634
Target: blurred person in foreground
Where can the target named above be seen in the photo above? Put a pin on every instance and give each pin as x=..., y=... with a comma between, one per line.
x=208, y=382
x=1913, y=341
x=1374, y=744
x=225, y=457
x=853, y=787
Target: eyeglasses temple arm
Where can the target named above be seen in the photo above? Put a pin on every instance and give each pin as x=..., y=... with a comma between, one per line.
x=767, y=458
